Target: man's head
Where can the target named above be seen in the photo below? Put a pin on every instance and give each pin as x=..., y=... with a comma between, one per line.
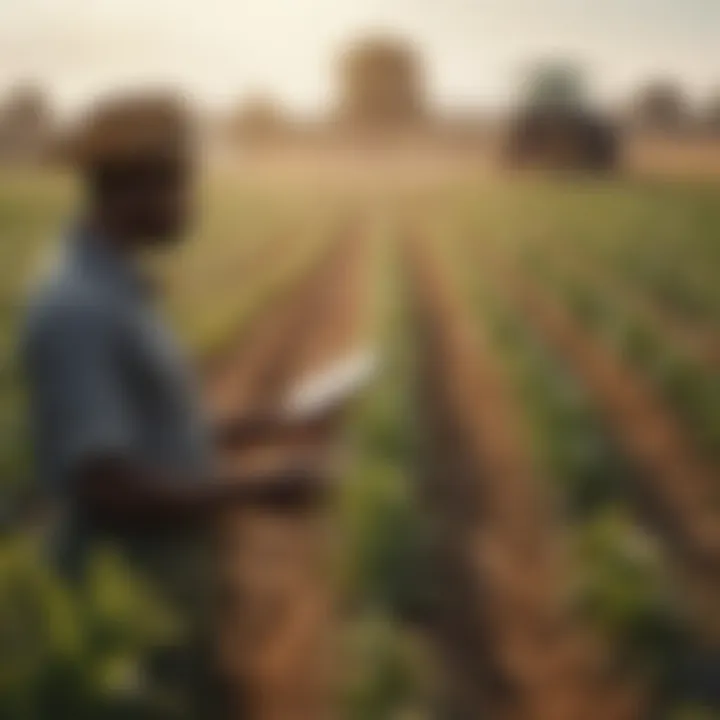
x=136, y=158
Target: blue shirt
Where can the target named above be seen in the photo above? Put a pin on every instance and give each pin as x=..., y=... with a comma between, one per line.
x=106, y=377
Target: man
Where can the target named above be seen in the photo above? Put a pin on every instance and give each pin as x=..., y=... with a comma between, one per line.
x=120, y=439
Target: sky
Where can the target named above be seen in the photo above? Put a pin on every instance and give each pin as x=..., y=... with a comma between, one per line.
x=474, y=50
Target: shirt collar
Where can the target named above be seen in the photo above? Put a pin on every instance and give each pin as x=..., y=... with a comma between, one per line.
x=101, y=256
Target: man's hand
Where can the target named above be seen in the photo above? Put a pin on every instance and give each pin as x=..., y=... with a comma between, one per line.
x=300, y=487
x=272, y=428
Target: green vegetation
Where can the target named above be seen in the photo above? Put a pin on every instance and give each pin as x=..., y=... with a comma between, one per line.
x=57, y=648
x=658, y=242
x=569, y=239
x=384, y=565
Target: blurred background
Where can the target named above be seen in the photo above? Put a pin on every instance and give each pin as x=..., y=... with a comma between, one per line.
x=555, y=164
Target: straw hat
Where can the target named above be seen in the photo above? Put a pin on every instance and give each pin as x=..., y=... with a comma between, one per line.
x=127, y=128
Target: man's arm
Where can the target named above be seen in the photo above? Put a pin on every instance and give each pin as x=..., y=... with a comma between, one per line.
x=77, y=387
x=272, y=428
x=116, y=494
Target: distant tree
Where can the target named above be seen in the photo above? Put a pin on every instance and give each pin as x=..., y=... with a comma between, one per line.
x=662, y=105
x=257, y=117
x=381, y=83
x=556, y=127
x=25, y=123
x=554, y=85
x=711, y=114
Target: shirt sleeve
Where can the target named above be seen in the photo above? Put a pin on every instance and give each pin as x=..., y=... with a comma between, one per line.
x=77, y=387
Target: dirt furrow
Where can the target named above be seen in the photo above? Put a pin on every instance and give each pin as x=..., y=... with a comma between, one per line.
x=699, y=344
x=275, y=631
x=510, y=645
x=677, y=491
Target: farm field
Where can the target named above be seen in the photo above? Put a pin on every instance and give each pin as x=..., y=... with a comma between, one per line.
x=527, y=521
